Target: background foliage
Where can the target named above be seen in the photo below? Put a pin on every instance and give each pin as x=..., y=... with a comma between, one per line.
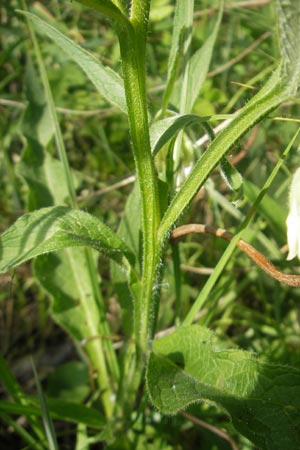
x=250, y=309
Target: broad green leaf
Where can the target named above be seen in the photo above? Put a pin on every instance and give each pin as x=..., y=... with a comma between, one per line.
x=51, y=229
x=107, y=82
x=65, y=276
x=262, y=399
x=163, y=130
x=288, y=13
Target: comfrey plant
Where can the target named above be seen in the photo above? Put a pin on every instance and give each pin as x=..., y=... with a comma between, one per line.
x=189, y=364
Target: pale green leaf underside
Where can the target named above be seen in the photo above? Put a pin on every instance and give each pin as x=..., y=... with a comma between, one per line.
x=107, y=82
x=55, y=228
x=263, y=399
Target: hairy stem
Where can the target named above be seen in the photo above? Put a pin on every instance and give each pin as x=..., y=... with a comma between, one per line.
x=133, y=45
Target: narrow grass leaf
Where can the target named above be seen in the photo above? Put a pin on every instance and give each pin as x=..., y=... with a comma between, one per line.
x=274, y=212
x=55, y=228
x=32, y=442
x=47, y=421
x=9, y=382
x=15, y=391
x=262, y=399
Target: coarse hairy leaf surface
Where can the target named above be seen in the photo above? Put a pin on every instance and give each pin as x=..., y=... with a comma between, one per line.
x=55, y=228
x=262, y=399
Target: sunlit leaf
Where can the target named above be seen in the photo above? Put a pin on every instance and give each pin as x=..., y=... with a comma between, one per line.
x=51, y=229
x=262, y=399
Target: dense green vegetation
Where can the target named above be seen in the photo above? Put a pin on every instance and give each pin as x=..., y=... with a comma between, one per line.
x=117, y=329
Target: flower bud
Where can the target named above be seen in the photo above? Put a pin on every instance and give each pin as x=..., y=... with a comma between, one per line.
x=293, y=219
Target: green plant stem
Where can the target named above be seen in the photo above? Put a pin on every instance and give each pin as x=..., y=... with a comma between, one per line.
x=177, y=280
x=132, y=45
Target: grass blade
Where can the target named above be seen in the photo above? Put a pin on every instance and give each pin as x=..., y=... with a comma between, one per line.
x=47, y=421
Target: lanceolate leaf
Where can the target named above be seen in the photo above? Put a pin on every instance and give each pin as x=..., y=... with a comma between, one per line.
x=262, y=399
x=107, y=82
x=55, y=228
x=199, y=65
x=195, y=71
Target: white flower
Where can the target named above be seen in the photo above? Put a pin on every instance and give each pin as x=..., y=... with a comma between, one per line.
x=293, y=219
